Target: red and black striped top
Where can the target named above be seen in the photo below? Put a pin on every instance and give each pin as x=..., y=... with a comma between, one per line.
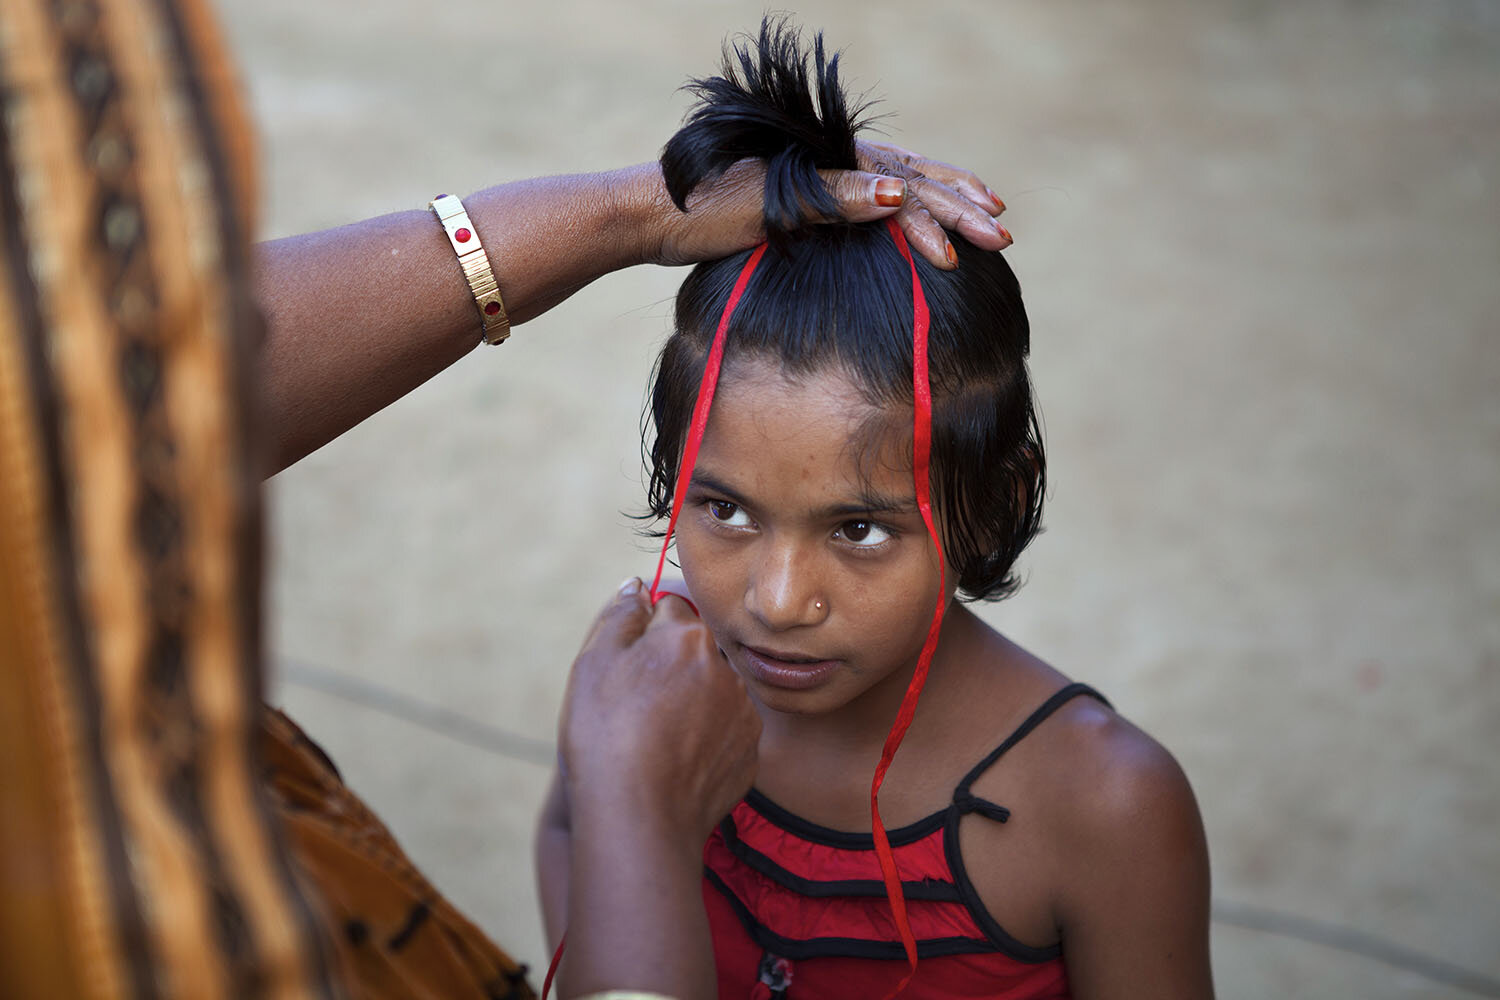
x=799, y=911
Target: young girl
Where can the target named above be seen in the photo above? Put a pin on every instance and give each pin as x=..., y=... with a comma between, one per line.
x=1029, y=842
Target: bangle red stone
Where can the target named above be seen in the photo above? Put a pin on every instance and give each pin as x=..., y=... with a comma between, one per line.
x=476, y=267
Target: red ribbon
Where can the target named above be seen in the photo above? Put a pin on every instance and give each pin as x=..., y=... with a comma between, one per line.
x=552, y=966
x=921, y=462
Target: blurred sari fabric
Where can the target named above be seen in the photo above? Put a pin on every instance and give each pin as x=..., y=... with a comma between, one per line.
x=162, y=834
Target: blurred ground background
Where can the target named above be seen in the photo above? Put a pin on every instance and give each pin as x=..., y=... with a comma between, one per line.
x=1260, y=243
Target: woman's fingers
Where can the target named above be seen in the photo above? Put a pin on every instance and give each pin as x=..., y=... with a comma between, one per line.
x=965, y=182
x=954, y=211
x=925, y=235
x=864, y=197
x=923, y=207
x=938, y=197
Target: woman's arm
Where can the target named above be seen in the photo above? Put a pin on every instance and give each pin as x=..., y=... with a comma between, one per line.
x=359, y=316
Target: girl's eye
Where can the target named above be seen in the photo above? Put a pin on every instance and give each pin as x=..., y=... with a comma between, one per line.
x=864, y=534
x=729, y=514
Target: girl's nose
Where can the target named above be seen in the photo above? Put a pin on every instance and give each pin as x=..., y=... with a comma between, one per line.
x=784, y=589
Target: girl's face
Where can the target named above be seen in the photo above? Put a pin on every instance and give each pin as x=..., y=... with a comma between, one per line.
x=801, y=541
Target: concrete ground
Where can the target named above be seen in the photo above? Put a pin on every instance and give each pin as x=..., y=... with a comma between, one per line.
x=1260, y=243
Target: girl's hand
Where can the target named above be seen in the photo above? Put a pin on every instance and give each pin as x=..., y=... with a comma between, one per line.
x=926, y=197
x=655, y=725
x=658, y=742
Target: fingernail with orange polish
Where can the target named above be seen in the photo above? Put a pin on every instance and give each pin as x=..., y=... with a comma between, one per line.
x=952, y=253
x=1005, y=233
x=890, y=192
x=995, y=198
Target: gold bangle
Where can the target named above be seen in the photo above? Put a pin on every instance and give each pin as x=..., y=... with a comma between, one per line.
x=476, y=264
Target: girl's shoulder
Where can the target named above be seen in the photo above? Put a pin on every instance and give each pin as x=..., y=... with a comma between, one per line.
x=1091, y=800
x=1067, y=755
x=1092, y=776
x=1050, y=733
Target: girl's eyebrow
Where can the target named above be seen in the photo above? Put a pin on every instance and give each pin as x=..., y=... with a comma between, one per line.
x=704, y=481
x=868, y=501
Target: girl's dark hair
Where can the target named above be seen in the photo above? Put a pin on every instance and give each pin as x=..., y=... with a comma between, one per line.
x=839, y=295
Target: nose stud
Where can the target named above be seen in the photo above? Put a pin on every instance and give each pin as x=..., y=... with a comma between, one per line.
x=818, y=605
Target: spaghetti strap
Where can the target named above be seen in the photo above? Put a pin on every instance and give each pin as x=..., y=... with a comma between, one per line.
x=962, y=795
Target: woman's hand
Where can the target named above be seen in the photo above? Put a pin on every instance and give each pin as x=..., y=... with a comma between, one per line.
x=926, y=197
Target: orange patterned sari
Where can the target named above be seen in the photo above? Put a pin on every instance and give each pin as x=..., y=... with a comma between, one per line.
x=161, y=833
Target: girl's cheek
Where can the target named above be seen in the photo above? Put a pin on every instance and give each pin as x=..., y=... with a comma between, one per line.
x=712, y=578
x=700, y=585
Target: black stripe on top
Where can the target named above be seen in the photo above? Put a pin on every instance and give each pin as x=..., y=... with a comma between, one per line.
x=1043, y=712
x=964, y=802
x=807, y=830
x=930, y=890
x=831, y=947
x=1002, y=941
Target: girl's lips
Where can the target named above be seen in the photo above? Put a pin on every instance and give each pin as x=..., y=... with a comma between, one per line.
x=792, y=675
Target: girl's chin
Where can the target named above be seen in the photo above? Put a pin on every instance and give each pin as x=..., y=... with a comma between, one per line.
x=793, y=704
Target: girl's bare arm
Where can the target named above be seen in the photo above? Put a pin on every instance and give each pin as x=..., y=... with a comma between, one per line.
x=1135, y=909
x=625, y=828
x=554, y=843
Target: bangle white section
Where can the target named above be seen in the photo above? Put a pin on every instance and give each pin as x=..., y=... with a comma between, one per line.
x=464, y=239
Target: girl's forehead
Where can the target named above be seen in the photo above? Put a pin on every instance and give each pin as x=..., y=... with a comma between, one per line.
x=804, y=432
x=754, y=375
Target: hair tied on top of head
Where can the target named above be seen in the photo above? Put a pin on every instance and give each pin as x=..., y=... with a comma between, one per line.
x=764, y=105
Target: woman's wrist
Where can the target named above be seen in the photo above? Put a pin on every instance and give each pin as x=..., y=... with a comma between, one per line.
x=638, y=210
